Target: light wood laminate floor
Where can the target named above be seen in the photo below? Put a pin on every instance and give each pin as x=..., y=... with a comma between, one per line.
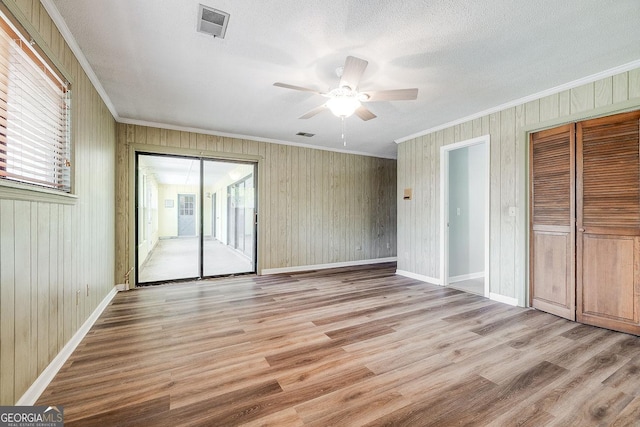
x=342, y=347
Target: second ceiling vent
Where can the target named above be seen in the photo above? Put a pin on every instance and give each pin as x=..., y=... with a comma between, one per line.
x=212, y=22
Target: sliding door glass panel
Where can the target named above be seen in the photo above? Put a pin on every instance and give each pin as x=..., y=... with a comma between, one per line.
x=168, y=210
x=229, y=224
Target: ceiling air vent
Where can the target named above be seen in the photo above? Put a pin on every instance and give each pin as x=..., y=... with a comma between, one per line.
x=308, y=135
x=212, y=22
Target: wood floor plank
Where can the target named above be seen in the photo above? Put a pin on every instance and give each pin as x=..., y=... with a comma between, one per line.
x=288, y=417
x=345, y=346
x=627, y=378
x=567, y=391
x=629, y=416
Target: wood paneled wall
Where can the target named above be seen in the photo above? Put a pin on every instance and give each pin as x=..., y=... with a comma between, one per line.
x=56, y=259
x=315, y=207
x=419, y=168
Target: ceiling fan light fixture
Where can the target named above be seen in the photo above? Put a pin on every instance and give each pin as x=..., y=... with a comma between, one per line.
x=343, y=106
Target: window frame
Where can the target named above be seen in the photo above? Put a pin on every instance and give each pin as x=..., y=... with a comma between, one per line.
x=16, y=190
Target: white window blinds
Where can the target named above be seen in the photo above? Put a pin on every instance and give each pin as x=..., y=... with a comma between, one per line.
x=34, y=116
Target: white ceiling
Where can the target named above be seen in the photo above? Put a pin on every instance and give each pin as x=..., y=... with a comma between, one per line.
x=464, y=56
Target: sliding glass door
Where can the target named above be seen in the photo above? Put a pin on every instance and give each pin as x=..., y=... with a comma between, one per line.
x=230, y=246
x=195, y=218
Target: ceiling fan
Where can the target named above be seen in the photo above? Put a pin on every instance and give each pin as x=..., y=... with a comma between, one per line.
x=346, y=100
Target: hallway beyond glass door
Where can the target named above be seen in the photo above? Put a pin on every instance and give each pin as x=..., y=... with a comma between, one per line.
x=195, y=218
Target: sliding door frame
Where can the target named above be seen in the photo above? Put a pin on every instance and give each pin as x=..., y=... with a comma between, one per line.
x=132, y=226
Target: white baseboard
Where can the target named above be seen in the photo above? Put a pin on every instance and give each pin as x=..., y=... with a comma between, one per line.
x=463, y=277
x=420, y=277
x=503, y=299
x=30, y=397
x=298, y=268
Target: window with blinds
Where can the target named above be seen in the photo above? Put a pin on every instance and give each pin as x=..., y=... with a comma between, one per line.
x=35, y=115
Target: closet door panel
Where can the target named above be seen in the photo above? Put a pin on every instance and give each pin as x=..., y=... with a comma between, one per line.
x=608, y=222
x=608, y=274
x=552, y=251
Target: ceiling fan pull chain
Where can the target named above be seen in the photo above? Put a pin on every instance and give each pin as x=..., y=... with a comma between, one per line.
x=344, y=138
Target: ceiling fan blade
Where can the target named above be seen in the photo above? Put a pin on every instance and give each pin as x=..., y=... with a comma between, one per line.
x=352, y=72
x=392, y=95
x=364, y=113
x=313, y=112
x=303, y=89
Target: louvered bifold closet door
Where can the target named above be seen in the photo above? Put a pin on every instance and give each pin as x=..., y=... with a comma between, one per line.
x=552, y=251
x=608, y=195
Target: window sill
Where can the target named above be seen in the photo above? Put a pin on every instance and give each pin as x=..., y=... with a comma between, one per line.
x=18, y=191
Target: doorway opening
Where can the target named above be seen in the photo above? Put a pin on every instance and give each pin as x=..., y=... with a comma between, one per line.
x=464, y=202
x=195, y=218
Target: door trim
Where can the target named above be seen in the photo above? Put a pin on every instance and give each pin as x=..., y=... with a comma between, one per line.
x=444, y=208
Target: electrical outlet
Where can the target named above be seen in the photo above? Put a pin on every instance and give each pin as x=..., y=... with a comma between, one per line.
x=358, y=248
x=512, y=211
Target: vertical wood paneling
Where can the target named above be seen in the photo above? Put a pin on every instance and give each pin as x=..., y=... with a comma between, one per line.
x=410, y=183
x=532, y=111
x=33, y=293
x=319, y=195
x=184, y=139
x=326, y=205
x=620, y=87
x=26, y=7
x=507, y=200
x=549, y=108
x=48, y=250
x=564, y=103
x=508, y=184
x=603, y=92
x=420, y=196
x=7, y=302
x=477, y=128
x=22, y=271
x=434, y=250
x=67, y=292
x=43, y=300
x=295, y=207
x=153, y=136
x=403, y=220
x=634, y=84
x=495, y=204
x=54, y=264
x=582, y=98
x=521, y=201
x=466, y=131
x=173, y=138
x=282, y=204
x=306, y=189
x=404, y=239
x=264, y=208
